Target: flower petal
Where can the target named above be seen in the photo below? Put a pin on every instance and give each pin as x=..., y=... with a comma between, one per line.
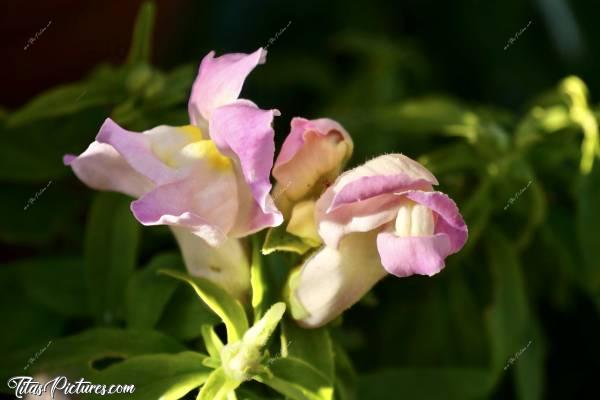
x=424, y=255
x=243, y=131
x=332, y=280
x=136, y=149
x=220, y=82
x=226, y=265
x=386, y=165
x=361, y=216
x=205, y=202
x=314, y=149
x=101, y=167
x=449, y=221
x=371, y=186
x=363, y=198
x=409, y=255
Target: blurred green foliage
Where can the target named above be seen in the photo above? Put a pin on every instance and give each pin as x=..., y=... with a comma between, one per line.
x=80, y=272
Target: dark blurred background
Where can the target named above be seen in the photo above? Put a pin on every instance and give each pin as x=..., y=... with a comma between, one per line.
x=354, y=61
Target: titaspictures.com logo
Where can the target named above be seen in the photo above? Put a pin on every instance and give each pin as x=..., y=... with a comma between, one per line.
x=27, y=385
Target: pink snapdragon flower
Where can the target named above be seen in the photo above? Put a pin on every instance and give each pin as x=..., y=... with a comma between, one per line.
x=311, y=157
x=380, y=218
x=209, y=179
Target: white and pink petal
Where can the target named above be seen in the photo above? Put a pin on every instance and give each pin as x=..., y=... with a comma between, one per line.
x=220, y=82
x=243, y=132
x=101, y=167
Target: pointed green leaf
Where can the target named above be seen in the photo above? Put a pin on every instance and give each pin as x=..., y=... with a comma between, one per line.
x=66, y=296
x=297, y=380
x=156, y=376
x=312, y=346
x=184, y=315
x=588, y=229
x=111, y=243
x=212, y=342
x=75, y=355
x=345, y=376
x=217, y=299
x=261, y=331
x=510, y=322
x=141, y=43
x=217, y=387
x=278, y=239
x=102, y=89
x=148, y=293
x=258, y=281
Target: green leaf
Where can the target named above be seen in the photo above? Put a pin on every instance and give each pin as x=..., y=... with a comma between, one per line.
x=102, y=89
x=536, y=214
x=75, y=355
x=148, y=293
x=510, y=322
x=28, y=326
x=430, y=115
x=278, y=239
x=426, y=384
x=455, y=157
x=477, y=212
x=297, y=380
x=258, y=281
x=529, y=369
x=156, y=376
x=184, y=316
x=217, y=387
x=141, y=43
x=313, y=346
x=588, y=229
x=345, y=376
x=66, y=295
x=261, y=331
x=64, y=100
x=212, y=342
x=33, y=152
x=111, y=243
x=48, y=204
x=175, y=89
x=217, y=299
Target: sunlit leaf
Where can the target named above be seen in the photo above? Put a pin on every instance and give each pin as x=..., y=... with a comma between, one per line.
x=278, y=239
x=297, y=380
x=220, y=302
x=76, y=355
x=217, y=387
x=156, y=376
